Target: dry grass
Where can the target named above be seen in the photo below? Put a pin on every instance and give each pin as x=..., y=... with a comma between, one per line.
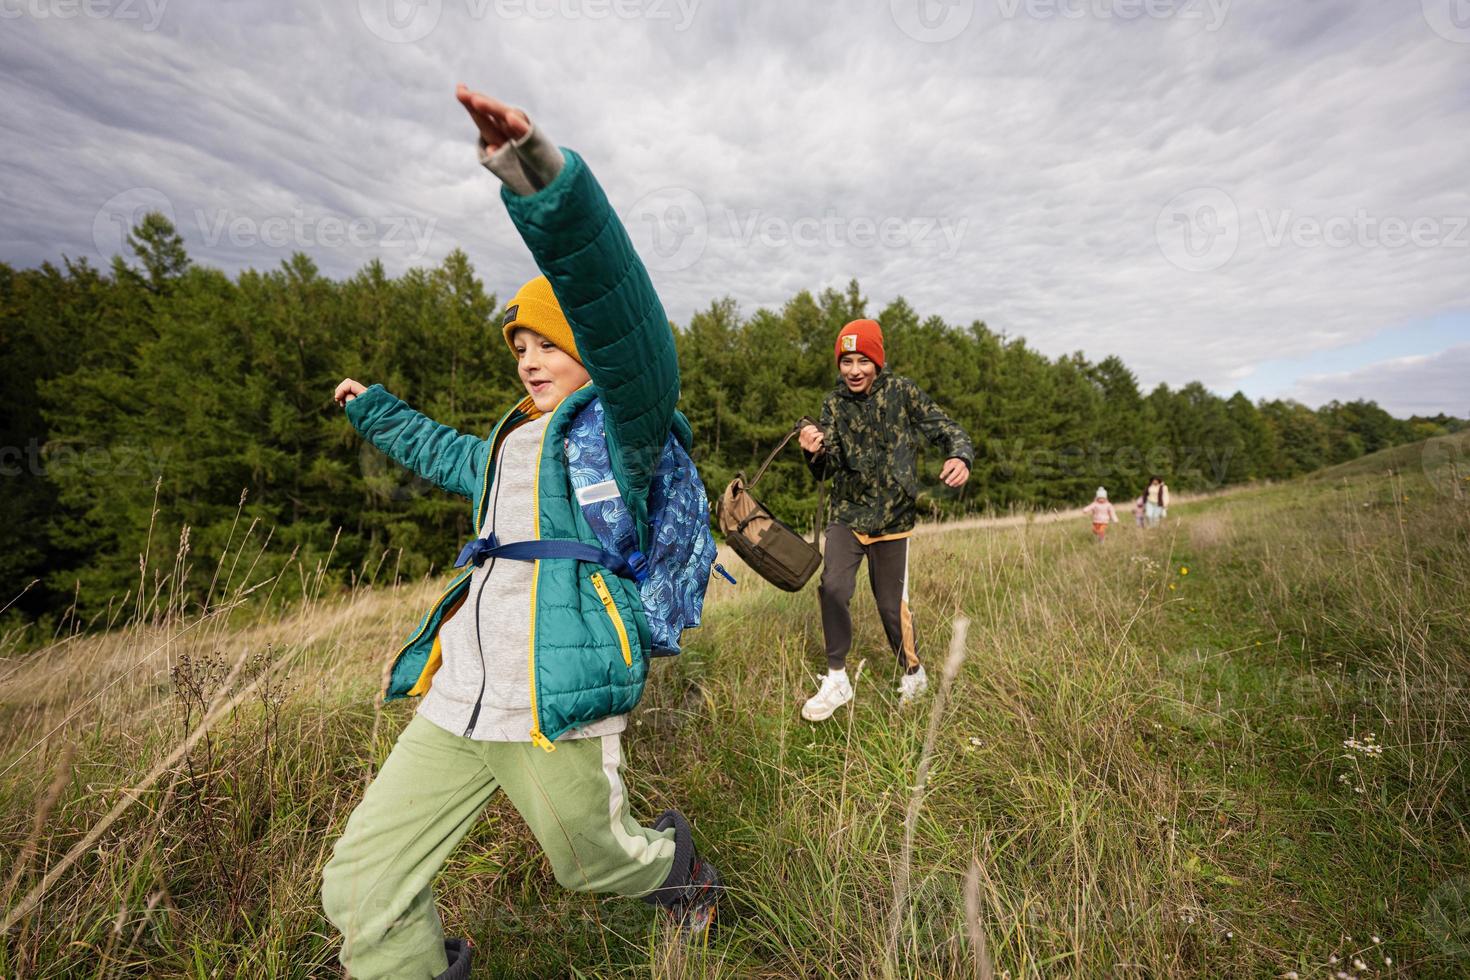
x=1136, y=771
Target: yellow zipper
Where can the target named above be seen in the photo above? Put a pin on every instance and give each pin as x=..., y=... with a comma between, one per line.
x=537, y=739
x=605, y=595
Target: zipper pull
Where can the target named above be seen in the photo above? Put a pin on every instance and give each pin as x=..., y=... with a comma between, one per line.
x=721, y=569
x=542, y=742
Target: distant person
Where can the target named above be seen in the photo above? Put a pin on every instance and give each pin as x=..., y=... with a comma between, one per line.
x=1139, y=508
x=1101, y=512
x=528, y=668
x=867, y=441
x=1155, y=501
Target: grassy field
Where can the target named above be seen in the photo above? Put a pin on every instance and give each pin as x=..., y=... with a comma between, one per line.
x=1231, y=747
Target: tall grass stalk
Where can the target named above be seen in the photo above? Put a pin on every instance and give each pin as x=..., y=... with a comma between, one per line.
x=901, y=878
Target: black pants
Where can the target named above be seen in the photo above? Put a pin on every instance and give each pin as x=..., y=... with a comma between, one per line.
x=888, y=574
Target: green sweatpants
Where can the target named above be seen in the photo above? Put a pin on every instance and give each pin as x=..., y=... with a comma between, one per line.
x=376, y=889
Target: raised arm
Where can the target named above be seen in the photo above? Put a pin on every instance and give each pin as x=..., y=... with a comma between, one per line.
x=623, y=335
x=451, y=460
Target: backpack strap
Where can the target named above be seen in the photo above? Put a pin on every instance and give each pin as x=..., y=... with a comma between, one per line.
x=476, y=552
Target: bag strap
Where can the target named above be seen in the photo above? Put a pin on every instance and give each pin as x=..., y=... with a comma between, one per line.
x=821, y=514
x=774, y=453
x=801, y=423
x=821, y=521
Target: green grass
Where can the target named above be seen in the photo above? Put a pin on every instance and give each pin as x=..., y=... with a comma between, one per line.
x=1141, y=772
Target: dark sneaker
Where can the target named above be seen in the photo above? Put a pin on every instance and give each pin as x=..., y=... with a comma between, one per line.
x=691, y=893
x=458, y=951
x=695, y=913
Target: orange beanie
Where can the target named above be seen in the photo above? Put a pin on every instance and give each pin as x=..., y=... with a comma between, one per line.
x=863, y=337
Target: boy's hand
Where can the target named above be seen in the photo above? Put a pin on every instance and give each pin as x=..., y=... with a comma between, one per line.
x=497, y=122
x=812, y=440
x=955, y=473
x=346, y=391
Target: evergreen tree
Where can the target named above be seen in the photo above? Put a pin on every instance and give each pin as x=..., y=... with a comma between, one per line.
x=158, y=394
x=1254, y=442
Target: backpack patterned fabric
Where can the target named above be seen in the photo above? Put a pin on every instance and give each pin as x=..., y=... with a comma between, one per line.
x=682, y=549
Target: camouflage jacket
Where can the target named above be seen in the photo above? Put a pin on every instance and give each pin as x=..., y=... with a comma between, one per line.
x=870, y=451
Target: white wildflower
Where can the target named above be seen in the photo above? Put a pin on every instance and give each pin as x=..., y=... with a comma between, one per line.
x=1367, y=746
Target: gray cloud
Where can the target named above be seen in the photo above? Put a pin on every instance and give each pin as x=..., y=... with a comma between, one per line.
x=1424, y=385
x=1016, y=173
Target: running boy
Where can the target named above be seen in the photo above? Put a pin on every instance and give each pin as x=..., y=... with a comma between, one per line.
x=525, y=667
x=868, y=440
x=1102, y=513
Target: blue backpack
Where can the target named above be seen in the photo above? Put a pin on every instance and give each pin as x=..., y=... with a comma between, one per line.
x=673, y=577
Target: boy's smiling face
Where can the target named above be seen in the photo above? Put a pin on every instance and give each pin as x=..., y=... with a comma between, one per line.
x=857, y=372
x=548, y=372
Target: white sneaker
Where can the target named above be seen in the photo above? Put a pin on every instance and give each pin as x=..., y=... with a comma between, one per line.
x=836, y=690
x=912, y=687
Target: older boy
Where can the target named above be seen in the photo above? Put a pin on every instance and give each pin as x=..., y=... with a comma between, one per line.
x=867, y=441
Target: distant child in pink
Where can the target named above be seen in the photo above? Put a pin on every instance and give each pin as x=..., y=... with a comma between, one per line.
x=1101, y=514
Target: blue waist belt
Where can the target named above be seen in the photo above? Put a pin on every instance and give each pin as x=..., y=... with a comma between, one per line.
x=476, y=552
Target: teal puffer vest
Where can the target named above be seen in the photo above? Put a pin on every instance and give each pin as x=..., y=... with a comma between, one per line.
x=589, y=649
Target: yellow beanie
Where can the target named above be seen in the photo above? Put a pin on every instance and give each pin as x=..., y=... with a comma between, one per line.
x=535, y=308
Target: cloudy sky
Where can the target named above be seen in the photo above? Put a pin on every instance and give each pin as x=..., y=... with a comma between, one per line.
x=1261, y=195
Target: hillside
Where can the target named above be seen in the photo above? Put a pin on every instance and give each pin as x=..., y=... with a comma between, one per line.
x=1230, y=747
